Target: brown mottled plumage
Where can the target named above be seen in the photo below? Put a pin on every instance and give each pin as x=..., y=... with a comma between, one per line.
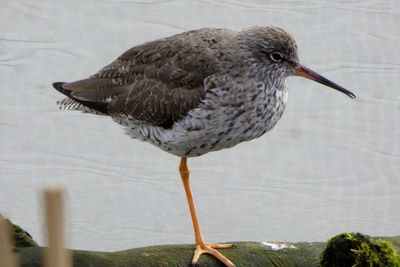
x=157, y=82
x=196, y=92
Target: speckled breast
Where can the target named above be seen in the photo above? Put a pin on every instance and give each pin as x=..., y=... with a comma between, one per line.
x=222, y=121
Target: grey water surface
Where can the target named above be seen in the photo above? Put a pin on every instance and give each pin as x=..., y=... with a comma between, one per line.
x=332, y=164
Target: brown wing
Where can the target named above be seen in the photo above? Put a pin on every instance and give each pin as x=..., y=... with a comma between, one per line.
x=157, y=82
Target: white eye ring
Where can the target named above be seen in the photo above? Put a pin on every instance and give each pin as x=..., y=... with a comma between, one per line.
x=276, y=57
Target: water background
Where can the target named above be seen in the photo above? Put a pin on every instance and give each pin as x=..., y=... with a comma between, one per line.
x=331, y=165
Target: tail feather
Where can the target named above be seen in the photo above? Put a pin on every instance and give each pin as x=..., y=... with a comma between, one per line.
x=72, y=103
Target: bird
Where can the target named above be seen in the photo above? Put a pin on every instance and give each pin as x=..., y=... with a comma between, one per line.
x=196, y=92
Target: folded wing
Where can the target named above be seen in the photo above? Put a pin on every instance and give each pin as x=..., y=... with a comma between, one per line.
x=156, y=83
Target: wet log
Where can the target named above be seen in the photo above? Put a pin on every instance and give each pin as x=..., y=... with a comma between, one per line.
x=265, y=254
x=244, y=254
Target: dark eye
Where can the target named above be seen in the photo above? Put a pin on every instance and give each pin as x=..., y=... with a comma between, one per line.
x=276, y=57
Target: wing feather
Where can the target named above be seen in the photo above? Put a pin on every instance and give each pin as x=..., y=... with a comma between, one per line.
x=156, y=83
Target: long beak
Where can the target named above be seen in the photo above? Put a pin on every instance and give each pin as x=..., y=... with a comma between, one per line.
x=305, y=72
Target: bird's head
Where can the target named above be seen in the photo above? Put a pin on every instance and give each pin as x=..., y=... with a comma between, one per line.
x=276, y=50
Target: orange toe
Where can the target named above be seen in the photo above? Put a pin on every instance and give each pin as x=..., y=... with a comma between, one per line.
x=211, y=248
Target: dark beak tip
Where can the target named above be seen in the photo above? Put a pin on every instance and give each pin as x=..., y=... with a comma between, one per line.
x=351, y=95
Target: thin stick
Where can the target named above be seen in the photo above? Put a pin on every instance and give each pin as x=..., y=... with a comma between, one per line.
x=7, y=258
x=55, y=254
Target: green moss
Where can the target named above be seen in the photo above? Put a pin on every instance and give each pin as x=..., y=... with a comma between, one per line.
x=377, y=253
x=21, y=237
x=357, y=250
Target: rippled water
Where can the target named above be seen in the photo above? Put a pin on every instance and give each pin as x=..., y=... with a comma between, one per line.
x=331, y=164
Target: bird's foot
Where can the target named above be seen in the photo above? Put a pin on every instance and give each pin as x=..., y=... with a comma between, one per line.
x=211, y=248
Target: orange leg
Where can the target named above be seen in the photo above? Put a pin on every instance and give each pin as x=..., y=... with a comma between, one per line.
x=201, y=246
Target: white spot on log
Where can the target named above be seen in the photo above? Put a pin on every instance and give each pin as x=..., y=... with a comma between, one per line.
x=277, y=245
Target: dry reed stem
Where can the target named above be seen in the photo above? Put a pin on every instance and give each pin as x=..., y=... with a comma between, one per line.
x=55, y=255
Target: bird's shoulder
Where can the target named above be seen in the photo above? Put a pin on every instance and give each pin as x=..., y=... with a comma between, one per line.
x=182, y=60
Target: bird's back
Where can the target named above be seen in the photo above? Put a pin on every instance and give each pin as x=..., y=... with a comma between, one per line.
x=155, y=83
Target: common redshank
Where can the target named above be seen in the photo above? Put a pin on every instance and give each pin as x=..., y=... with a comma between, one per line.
x=196, y=92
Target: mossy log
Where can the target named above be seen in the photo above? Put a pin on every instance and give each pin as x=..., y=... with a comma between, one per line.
x=244, y=254
x=253, y=254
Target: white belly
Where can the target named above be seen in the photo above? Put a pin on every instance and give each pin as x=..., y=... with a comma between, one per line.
x=211, y=129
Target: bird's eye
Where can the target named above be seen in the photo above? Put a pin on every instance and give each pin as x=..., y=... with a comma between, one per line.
x=276, y=57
